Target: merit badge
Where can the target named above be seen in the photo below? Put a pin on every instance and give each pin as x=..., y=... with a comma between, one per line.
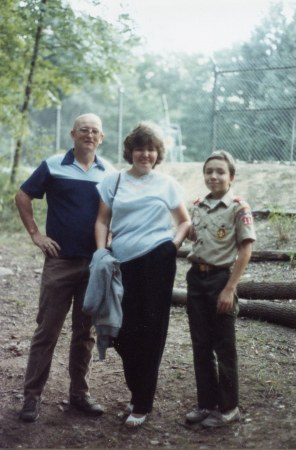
x=221, y=233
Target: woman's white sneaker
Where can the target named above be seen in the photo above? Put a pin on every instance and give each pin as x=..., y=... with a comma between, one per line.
x=135, y=421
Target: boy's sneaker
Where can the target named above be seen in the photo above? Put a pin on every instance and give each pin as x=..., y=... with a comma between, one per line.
x=217, y=419
x=197, y=415
x=30, y=410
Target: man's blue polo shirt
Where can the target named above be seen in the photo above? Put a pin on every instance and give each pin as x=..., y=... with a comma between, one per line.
x=72, y=199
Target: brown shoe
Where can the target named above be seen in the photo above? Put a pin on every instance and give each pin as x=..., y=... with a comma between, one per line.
x=87, y=405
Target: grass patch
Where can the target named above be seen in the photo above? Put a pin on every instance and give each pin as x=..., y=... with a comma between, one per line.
x=282, y=224
x=9, y=217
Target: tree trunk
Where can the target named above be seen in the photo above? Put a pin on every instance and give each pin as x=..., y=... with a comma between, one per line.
x=27, y=94
x=283, y=314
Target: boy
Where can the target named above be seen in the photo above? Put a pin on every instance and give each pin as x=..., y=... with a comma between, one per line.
x=222, y=232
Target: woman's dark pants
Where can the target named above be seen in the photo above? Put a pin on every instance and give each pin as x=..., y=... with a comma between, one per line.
x=148, y=284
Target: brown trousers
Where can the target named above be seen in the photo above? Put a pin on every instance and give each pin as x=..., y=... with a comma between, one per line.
x=63, y=285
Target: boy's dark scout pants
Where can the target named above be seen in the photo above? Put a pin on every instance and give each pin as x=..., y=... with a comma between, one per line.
x=213, y=340
x=63, y=283
x=148, y=284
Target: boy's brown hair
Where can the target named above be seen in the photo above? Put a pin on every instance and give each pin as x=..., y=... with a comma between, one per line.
x=222, y=155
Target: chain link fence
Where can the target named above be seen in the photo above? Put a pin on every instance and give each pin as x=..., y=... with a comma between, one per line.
x=249, y=111
x=254, y=113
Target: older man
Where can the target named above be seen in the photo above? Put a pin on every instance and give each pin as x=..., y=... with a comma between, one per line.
x=69, y=183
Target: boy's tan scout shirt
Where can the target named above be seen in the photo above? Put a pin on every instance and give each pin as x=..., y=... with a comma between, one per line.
x=220, y=229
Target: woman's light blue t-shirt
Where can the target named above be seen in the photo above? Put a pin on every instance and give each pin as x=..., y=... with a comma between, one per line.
x=141, y=218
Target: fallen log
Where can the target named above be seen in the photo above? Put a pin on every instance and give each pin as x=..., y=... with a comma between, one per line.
x=274, y=255
x=252, y=290
x=276, y=290
x=265, y=213
x=179, y=296
x=283, y=314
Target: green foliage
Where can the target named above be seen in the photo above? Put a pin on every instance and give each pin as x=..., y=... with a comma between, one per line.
x=9, y=216
x=186, y=85
x=293, y=260
x=80, y=57
x=256, y=102
x=54, y=50
x=74, y=49
x=282, y=223
x=9, y=220
x=186, y=82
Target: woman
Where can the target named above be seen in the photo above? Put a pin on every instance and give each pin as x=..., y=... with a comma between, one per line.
x=141, y=207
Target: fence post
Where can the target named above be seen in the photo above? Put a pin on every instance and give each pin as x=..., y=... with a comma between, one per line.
x=292, y=140
x=119, y=123
x=214, y=112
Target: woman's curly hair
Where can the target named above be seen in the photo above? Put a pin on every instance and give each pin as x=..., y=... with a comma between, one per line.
x=145, y=133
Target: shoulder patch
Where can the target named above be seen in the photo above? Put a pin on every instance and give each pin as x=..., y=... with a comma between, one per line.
x=237, y=199
x=196, y=202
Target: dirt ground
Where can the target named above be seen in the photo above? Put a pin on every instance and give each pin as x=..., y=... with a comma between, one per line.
x=266, y=358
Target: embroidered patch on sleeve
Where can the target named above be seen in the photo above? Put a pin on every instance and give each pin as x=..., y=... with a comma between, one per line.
x=245, y=216
x=243, y=212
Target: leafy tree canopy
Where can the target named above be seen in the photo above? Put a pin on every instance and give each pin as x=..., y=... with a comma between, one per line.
x=74, y=49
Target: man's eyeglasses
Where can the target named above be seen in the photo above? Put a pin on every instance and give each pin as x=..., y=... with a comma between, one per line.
x=92, y=131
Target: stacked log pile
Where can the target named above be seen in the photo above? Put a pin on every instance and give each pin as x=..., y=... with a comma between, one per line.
x=269, y=301
x=280, y=312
